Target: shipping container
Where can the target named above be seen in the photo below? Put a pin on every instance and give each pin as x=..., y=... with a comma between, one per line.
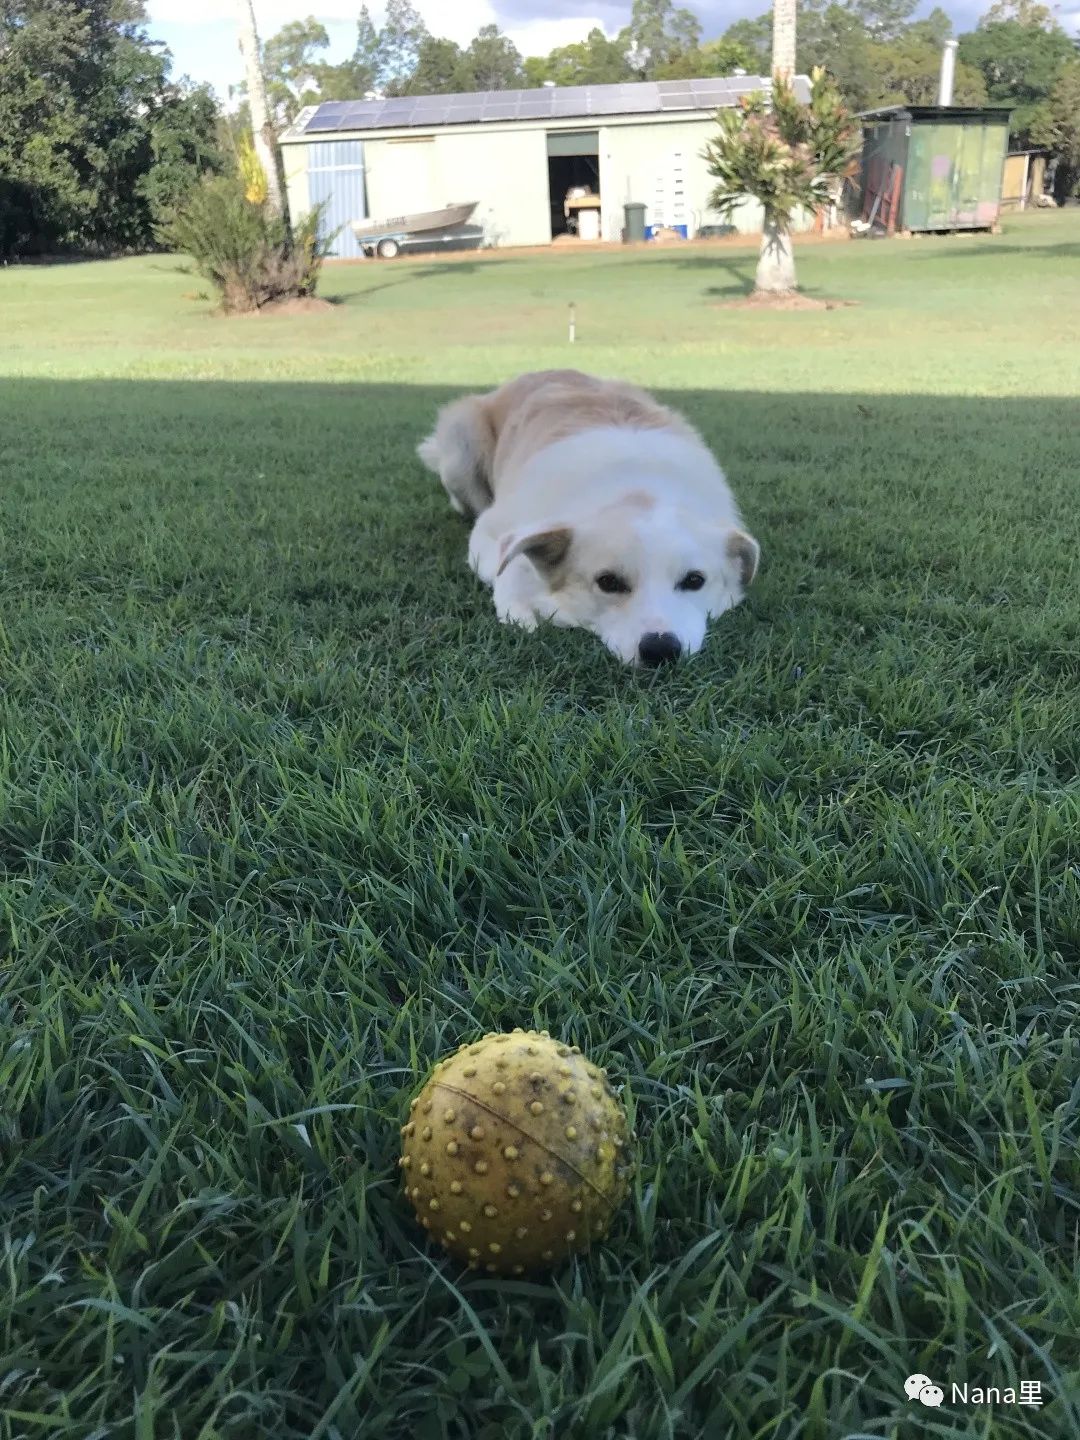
x=929, y=167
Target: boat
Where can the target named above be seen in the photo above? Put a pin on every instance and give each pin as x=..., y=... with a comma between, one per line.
x=417, y=224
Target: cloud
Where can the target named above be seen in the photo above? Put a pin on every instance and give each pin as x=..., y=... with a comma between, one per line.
x=203, y=39
x=715, y=15
x=535, y=26
x=610, y=14
x=459, y=21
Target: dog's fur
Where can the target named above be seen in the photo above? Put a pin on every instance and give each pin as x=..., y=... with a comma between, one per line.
x=572, y=479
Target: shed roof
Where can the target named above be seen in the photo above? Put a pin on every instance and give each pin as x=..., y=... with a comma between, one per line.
x=585, y=102
x=938, y=112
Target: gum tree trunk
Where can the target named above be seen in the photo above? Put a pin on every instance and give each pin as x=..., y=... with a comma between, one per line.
x=776, y=262
x=265, y=137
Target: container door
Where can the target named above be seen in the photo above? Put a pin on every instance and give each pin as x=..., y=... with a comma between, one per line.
x=921, y=190
x=940, y=160
x=967, y=178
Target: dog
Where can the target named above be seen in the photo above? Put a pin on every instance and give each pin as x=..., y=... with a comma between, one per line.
x=594, y=506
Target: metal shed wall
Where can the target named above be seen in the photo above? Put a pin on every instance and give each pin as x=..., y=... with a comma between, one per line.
x=954, y=174
x=336, y=175
x=663, y=167
x=655, y=160
x=504, y=170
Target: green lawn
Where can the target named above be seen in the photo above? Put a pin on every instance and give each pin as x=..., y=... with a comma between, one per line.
x=285, y=815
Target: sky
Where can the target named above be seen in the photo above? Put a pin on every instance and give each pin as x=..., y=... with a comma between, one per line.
x=203, y=43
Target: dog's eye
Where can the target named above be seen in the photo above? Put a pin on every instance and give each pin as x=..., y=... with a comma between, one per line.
x=612, y=584
x=693, y=580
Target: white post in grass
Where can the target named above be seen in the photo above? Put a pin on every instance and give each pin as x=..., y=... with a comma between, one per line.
x=266, y=145
x=573, y=322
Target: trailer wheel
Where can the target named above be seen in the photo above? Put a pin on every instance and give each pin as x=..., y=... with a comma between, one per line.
x=387, y=249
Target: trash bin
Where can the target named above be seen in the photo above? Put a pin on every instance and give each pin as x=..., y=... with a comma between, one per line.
x=634, y=214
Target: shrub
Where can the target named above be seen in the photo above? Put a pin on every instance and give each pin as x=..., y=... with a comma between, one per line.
x=250, y=257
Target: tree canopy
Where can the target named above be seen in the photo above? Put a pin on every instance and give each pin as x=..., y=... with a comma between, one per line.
x=1020, y=62
x=97, y=140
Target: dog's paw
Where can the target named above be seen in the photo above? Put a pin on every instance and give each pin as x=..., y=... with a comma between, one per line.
x=515, y=613
x=483, y=561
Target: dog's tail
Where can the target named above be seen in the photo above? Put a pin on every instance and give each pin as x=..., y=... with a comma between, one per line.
x=460, y=450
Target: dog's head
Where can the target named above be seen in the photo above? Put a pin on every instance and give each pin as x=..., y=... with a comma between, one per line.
x=643, y=577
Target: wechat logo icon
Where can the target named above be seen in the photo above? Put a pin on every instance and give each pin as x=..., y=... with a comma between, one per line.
x=921, y=1387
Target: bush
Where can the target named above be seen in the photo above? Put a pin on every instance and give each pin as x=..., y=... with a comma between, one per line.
x=250, y=257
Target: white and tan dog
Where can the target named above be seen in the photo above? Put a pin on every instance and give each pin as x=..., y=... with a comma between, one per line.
x=595, y=507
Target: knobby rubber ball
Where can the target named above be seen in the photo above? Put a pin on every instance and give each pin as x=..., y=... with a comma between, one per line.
x=516, y=1152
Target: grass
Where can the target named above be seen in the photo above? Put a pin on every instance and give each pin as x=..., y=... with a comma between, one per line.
x=285, y=814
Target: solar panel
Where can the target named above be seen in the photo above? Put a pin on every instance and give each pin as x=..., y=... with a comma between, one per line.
x=633, y=105
x=567, y=104
x=361, y=112
x=431, y=111
x=392, y=110
x=561, y=102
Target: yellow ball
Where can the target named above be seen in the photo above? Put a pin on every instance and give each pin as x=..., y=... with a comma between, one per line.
x=515, y=1153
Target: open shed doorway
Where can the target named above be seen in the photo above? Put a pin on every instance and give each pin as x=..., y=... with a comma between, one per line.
x=574, y=182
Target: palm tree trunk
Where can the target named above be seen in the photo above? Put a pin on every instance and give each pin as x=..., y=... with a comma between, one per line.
x=783, y=38
x=266, y=144
x=776, y=262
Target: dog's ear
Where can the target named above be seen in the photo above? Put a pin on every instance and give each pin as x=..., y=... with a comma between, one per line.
x=546, y=548
x=744, y=552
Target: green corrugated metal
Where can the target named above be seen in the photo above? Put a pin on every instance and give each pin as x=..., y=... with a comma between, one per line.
x=952, y=163
x=885, y=143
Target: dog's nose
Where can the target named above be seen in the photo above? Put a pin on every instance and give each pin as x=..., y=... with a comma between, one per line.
x=657, y=649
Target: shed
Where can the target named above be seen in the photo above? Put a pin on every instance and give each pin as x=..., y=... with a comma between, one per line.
x=933, y=167
x=1024, y=179
x=518, y=153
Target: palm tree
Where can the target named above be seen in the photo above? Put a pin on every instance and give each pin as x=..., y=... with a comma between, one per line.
x=786, y=156
x=783, y=38
x=266, y=144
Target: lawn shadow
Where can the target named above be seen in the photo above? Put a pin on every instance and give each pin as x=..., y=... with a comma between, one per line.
x=414, y=269
x=741, y=271
x=989, y=246
x=410, y=270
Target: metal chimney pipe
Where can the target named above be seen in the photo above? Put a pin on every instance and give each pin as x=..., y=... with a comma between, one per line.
x=948, y=73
